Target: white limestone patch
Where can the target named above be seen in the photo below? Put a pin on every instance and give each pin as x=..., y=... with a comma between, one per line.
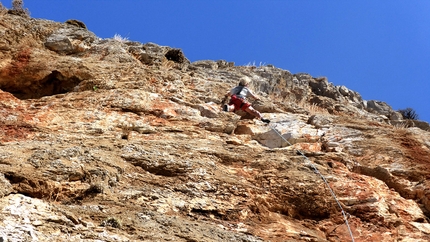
x=283, y=128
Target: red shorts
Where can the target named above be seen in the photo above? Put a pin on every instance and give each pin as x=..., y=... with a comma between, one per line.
x=239, y=103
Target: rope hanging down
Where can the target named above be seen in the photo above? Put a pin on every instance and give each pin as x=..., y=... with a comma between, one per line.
x=345, y=217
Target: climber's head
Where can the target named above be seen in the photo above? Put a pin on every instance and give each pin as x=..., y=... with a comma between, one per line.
x=244, y=81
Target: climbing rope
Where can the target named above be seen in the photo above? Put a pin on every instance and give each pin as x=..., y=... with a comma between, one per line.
x=345, y=217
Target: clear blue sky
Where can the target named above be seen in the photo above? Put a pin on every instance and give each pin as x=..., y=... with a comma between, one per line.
x=379, y=48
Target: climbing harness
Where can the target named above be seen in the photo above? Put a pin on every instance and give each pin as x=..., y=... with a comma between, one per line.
x=345, y=216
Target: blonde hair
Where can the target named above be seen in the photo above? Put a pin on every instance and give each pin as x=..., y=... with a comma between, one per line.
x=244, y=81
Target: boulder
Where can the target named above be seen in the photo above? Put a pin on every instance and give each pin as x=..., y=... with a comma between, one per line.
x=343, y=90
x=321, y=86
x=59, y=43
x=70, y=40
x=379, y=107
x=396, y=116
x=76, y=23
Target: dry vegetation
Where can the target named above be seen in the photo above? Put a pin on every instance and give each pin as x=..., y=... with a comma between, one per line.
x=18, y=8
x=119, y=38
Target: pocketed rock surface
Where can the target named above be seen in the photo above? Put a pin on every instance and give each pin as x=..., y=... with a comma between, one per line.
x=114, y=140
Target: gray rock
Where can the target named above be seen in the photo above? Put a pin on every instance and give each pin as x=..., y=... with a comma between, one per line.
x=208, y=110
x=320, y=121
x=343, y=90
x=70, y=40
x=207, y=64
x=153, y=54
x=141, y=54
x=157, y=163
x=59, y=43
x=356, y=98
x=286, y=130
x=321, y=86
x=396, y=116
x=76, y=23
x=113, y=50
x=5, y=186
x=379, y=107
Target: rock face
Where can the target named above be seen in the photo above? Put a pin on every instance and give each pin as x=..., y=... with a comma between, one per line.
x=113, y=140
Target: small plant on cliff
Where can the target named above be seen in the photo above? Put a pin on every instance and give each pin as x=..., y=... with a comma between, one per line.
x=409, y=113
x=119, y=38
x=18, y=8
x=253, y=64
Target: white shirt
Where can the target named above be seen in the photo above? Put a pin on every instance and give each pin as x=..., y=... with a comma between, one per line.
x=244, y=93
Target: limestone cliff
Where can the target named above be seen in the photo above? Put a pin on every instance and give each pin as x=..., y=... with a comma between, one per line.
x=114, y=140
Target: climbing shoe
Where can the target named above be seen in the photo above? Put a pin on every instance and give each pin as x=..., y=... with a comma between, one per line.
x=225, y=108
x=265, y=120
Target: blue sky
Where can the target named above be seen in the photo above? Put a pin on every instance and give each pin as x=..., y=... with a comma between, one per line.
x=380, y=49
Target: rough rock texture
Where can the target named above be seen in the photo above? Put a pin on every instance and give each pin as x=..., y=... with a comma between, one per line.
x=113, y=140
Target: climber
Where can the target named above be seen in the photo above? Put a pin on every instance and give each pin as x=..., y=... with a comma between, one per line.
x=238, y=101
